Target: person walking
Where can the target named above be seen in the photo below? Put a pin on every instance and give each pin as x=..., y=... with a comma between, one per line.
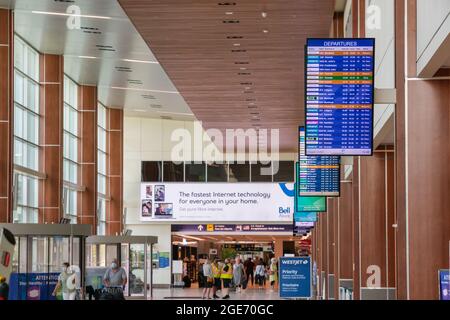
x=238, y=274
x=273, y=273
x=68, y=289
x=226, y=275
x=249, y=266
x=217, y=285
x=115, y=279
x=260, y=274
x=209, y=279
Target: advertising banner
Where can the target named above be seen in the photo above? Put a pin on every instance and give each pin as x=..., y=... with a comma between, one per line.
x=272, y=202
x=295, y=277
x=32, y=286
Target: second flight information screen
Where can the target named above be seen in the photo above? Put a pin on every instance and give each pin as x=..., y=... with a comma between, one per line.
x=318, y=175
x=339, y=96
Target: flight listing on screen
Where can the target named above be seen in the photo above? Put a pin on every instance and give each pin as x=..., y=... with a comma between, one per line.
x=339, y=96
x=317, y=175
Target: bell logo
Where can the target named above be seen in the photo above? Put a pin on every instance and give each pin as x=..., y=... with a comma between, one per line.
x=284, y=211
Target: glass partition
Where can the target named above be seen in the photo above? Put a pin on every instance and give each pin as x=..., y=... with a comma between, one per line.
x=136, y=274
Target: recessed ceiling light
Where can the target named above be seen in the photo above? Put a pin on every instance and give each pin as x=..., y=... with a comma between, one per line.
x=146, y=90
x=86, y=57
x=228, y=12
x=138, y=110
x=243, y=68
x=140, y=61
x=179, y=113
x=265, y=31
x=236, y=44
x=70, y=15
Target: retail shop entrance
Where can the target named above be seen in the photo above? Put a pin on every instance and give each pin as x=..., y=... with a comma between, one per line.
x=191, y=250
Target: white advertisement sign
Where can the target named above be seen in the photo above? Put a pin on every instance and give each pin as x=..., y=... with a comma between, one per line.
x=185, y=202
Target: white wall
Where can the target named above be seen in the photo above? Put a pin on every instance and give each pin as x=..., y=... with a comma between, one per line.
x=148, y=139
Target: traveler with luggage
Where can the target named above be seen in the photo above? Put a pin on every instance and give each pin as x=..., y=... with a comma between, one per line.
x=115, y=279
x=260, y=274
x=66, y=282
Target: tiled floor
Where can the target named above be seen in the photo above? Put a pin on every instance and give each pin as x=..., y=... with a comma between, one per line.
x=196, y=294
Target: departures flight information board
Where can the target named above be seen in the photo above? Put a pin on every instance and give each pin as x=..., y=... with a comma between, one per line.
x=339, y=80
x=318, y=175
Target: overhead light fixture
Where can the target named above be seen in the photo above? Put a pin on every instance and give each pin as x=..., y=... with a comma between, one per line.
x=87, y=57
x=125, y=60
x=138, y=110
x=265, y=31
x=140, y=61
x=145, y=90
x=264, y=14
x=179, y=113
x=228, y=12
x=236, y=44
x=70, y=15
x=243, y=68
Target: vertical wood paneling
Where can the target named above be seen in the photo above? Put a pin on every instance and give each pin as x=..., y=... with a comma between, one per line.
x=345, y=232
x=6, y=50
x=428, y=184
x=373, y=216
x=400, y=164
x=114, y=170
x=355, y=228
x=87, y=199
x=51, y=128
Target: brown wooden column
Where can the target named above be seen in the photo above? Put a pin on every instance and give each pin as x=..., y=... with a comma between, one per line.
x=323, y=217
x=6, y=120
x=355, y=228
x=428, y=185
x=400, y=159
x=114, y=167
x=375, y=213
x=344, y=235
x=51, y=126
x=87, y=173
x=422, y=130
x=331, y=212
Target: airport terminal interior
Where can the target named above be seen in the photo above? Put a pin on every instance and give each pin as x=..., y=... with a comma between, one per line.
x=181, y=149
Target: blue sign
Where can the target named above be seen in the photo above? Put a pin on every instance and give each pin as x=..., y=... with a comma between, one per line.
x=339, y=86
x=32, y=286
x=295, y=277
x=305, y=216
x=444, y=285
x=316, y=175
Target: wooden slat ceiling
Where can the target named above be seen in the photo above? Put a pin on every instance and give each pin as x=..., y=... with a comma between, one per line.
x=230, y=72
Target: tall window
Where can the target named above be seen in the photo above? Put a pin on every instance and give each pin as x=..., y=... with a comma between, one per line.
x=26, y=132
x=101, y=169
x=71, y=138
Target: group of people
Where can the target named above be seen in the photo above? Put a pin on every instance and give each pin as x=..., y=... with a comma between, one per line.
x=222, y=276
x=114, y=280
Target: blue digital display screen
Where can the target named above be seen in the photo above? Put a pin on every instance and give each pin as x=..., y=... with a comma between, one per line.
x=339, y=90
x=317, y=175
